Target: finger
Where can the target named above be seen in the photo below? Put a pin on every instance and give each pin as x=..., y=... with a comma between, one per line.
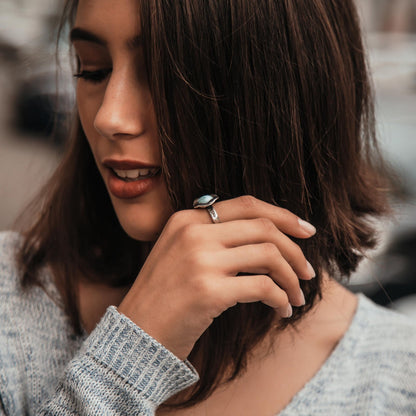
x=262, y=259
x=262, y=230
x=248, y=207
x=256, y=288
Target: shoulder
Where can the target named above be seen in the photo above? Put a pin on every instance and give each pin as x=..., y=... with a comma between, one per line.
x=15, y=300
x=372, y=370
x=11, y=353
x=9, y=241
x=9, y=244
x=385, y=343
x=382, y=330
x=374, y=365
x=36, y=340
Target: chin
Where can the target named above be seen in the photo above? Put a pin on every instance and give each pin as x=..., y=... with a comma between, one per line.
x=141, y=233
x=142, y=222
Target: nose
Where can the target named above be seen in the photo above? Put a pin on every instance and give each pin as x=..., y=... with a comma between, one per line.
x=126, y=108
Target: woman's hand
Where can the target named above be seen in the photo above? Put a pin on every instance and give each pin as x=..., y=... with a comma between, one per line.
x=190, y=276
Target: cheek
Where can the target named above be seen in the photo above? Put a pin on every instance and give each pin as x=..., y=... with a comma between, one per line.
x=88, y=106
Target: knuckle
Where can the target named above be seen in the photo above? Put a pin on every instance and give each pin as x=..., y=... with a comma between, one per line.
x=177, y=219
x=205, y=292
x=296, y=252
x=285, y=212
x=202, y=287
x=248, y=202
x=288, y=213
x=219, y=304
x=189, y=233
x=282, y=298
x=199, y=260
x=270, y=250
x=292, y=285
x=266, y=224
x=265, y=285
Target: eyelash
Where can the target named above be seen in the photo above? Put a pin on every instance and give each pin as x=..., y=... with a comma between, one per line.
x=93, y=76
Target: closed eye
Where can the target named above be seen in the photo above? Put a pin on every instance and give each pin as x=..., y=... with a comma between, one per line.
x=94, y=76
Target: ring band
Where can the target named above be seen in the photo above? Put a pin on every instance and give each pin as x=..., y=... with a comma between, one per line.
x=207, y=201
x=213, y=214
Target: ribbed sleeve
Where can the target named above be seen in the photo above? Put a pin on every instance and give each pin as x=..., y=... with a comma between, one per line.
x=120, y=370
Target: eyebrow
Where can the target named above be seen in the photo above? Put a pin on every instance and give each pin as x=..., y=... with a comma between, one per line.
x=78, y=33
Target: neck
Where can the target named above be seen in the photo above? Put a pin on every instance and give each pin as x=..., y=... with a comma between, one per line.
x=295, y=354
x=94, y=299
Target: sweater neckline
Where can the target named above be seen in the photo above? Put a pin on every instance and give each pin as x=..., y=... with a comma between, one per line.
x=346, y=343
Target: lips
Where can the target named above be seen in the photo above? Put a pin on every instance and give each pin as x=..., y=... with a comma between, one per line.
x=128, y=179
x=127, y=164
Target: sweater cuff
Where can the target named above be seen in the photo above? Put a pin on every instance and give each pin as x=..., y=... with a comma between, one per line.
x=141, y=361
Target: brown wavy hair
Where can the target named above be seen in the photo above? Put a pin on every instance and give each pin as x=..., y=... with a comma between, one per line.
x=270, y=98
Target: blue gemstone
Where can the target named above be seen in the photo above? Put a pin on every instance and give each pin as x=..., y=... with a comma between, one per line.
x=205, y=201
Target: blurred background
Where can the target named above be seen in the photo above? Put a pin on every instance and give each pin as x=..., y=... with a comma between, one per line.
x=33, y=96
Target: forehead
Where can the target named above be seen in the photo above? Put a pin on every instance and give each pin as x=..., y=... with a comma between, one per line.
x=111, y=20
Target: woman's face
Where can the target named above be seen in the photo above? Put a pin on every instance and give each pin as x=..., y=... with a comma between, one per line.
x=117, y=113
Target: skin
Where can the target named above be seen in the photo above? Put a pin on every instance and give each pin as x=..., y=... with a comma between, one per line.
x=191, y=271
x=275, y=375
x=117, y=114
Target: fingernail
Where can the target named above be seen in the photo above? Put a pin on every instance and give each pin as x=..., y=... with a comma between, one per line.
x=302, y=300
x=307, y=227
x=310, y=270
x=288, y=312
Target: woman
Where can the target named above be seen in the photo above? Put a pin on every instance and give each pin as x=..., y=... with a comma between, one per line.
x=122, y=294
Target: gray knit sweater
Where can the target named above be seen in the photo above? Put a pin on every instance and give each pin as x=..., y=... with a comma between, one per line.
x=120, y=370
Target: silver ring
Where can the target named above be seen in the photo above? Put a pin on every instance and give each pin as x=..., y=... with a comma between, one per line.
x=207, y=201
